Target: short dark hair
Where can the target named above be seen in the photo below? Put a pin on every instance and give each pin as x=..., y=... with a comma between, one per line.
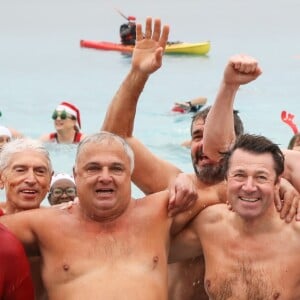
x=256, y=144
x=238, y=123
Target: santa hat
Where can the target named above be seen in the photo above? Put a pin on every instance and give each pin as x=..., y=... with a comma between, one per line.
x=131, y=18
x=5, y=131
x=70, y=109
x=60, y=176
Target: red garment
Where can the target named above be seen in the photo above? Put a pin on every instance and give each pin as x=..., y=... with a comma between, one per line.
x=77, y=137
x=15, y=278
x=1, y=212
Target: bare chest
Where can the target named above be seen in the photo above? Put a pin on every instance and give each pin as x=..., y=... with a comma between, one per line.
x=252, y=270
x=97, y=254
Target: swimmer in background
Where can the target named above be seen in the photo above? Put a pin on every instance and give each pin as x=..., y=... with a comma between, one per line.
x=288, y=118
x=294, y=143
x=62, y=189
x=191, y=106
x=8, y=133
x=67, y=124
x=5, y=136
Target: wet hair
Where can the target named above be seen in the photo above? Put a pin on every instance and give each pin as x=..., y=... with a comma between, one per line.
x=256, y=144
x=202, y=114
x=20, y=145
x=293, y=140
x=104, y=136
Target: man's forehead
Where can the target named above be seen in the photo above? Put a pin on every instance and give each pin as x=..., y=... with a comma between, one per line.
x=103, y=149
x=105, y=146
x=245, y=158
x=198, y=124
x=28, y=157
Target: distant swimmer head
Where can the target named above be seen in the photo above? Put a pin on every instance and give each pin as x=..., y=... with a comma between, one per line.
x=62, y=189
x=5, y=135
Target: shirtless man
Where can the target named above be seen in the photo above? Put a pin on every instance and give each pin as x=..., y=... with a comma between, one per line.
x=152, y=174
x=250, y=252
x=25, y=174
x=107, y=245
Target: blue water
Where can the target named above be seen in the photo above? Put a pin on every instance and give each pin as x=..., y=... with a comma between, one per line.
x=42, y=64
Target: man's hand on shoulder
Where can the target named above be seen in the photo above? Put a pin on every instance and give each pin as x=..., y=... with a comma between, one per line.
x=287, y=201
x=183, y=194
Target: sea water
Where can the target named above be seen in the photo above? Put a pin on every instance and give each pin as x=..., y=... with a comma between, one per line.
x=42, y=64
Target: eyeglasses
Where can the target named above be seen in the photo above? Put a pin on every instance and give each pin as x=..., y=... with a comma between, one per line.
x=63, y=115
x=58, y=192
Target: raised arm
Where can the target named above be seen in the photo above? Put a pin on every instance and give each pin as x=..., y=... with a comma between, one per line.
x=146, y=59
x=151, y=174
x=219, y=131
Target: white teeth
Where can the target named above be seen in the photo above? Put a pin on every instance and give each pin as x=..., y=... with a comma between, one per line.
x=249, y=199
x=29, y=191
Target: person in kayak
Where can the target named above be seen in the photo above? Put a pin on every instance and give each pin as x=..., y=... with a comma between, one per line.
x=128, y=31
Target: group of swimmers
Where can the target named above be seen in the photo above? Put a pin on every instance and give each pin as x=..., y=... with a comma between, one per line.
x=108, y=245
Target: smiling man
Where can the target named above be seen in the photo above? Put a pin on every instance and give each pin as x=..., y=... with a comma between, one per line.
x=25, y=175
x=250, y=252
x=106, y=234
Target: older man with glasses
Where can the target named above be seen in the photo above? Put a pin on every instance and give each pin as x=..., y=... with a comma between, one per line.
x=62, y=189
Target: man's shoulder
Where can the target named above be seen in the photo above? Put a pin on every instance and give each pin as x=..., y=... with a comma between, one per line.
x=214, y=213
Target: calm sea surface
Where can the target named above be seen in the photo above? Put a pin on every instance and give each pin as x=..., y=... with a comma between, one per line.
x=41, y=64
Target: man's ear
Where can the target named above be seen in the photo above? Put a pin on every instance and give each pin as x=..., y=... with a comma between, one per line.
x=74, y=172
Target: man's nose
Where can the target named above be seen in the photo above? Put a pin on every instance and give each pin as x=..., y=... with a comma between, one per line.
x=249, y=185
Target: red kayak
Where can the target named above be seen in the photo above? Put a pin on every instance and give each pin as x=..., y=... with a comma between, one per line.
x=106, y=46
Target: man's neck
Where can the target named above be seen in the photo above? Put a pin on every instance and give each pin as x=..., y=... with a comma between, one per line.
x=261, y=224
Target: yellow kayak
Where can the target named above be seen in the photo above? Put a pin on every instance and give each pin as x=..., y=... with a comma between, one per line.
x=189, y=48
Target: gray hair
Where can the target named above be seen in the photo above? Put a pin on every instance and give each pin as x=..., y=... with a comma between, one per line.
x=103, y=136
x=20, y=145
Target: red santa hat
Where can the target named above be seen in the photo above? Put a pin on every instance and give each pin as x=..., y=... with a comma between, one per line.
x=131, y=18
x=70, y=109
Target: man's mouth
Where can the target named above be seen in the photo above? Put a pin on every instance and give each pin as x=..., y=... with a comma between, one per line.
x=249, y=199
x=29, y=192
x=203, y=159
x=104, y=191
